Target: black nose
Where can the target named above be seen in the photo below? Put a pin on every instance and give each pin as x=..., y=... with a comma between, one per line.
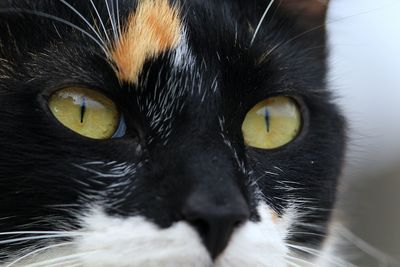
x=215, y=220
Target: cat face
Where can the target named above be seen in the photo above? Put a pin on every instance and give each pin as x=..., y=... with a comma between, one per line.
x=156, y=133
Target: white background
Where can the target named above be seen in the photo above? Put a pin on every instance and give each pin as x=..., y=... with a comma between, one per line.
x=365, y=75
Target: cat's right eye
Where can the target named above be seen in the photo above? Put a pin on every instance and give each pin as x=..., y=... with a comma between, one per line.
x=87, y=112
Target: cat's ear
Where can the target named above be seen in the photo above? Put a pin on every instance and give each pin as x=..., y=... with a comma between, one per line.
x=308, y=14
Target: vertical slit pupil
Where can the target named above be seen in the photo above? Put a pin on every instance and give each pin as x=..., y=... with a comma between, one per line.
x=83, y=108
x=267, y=119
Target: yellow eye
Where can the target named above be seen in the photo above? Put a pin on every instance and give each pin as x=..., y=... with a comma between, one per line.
x=85, y=112
x=272, y=123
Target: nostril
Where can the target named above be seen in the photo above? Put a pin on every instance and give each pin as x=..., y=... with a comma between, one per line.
x=201, y=226
x=239, y=222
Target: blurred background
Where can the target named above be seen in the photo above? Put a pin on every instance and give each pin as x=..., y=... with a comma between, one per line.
x=365, y=76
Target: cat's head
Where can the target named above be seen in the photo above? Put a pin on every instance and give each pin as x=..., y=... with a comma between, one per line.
x=155, y=133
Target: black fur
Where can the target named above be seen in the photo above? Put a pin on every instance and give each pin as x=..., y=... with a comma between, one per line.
x=47, y=174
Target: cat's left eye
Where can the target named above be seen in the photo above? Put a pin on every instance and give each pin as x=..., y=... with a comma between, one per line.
x=272, y=123
x=87, y=112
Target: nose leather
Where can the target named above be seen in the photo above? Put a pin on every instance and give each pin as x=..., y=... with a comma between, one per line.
x=215, y=220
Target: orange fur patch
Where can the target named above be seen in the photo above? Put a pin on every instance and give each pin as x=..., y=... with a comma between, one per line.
x=274, y=216
x=153, y=29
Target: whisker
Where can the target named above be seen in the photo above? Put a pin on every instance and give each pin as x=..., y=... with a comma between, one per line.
x=365, y=247
x=101, y=20
x=300, y=260
x=306, y=233
x=33, y=253
x=118, y=19
x=64, y=206
x=261, y=21
x=84, y=20
x=60, y=259
x=118, y=172
x=22, y=239
x=112, y=18
x=58, y=19
x=315, y=227
x=314, y=252
x=311, y=251
x=38, y=232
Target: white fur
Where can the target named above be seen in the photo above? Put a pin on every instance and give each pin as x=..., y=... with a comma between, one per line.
x=257, y=244
x=135, y=242
x=183, y=57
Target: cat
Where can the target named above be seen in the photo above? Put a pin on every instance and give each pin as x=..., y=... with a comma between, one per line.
x=154, y=133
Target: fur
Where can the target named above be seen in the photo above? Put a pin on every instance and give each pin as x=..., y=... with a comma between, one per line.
x=180, y=188
x=109, y=241
x=153, y=29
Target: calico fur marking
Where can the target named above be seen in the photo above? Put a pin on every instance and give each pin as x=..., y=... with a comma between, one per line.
x=153, y=29
x=198, y=77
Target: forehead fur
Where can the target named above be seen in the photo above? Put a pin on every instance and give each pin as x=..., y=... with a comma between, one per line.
x=153, y=29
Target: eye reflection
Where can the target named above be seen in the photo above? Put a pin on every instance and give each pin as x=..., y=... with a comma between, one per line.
x=87, y=112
